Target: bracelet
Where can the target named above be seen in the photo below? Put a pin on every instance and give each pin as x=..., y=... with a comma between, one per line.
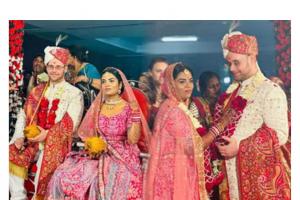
x=136, y=119
x=220, y=127
x=215, y=131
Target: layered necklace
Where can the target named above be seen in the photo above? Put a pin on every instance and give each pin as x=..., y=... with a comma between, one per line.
x=110, y=104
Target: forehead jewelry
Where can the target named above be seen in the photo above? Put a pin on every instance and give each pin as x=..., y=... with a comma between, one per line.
x=186, y=71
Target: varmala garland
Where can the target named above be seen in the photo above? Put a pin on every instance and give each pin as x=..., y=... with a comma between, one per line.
x=238, y=102
x=237, y=105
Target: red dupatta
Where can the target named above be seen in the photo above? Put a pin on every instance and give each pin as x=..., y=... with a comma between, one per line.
x=58, y=139
x=261, y=172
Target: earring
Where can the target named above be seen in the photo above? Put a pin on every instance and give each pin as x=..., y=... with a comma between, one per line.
x=119, y=91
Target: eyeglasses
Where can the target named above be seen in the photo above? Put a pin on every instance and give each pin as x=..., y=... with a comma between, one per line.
x=56, y=67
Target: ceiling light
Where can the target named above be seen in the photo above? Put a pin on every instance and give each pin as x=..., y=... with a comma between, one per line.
x=188, y=38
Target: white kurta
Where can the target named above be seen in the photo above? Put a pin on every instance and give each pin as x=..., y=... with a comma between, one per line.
x=268, y=104
x=71, y=102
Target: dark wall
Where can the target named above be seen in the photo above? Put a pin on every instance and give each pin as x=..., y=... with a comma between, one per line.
x=32, y=46
x=133, y=66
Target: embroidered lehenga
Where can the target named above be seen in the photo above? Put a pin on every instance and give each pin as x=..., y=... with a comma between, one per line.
x=116, y=174
x=176, y=165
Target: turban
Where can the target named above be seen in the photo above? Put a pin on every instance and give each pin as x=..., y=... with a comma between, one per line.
x=237, y=42
x=56, y=52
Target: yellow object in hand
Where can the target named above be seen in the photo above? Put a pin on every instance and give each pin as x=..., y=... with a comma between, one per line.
x=31, y=131
x=95, y=145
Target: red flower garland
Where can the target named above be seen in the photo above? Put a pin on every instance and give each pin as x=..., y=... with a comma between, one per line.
x=47, y=120
x=223, y=97
x=238, y=105
x=283, y=48
x=201, y=131
x=16, y=34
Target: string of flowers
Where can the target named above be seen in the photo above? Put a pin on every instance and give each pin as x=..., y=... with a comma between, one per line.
x=47, y=119
x=16, y=34
x=283, y=50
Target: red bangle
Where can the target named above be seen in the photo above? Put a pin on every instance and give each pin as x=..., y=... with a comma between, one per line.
x=215, y=131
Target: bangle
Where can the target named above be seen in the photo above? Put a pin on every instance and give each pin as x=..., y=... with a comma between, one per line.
x=220, y=127
x=136, y=119
x=215, y=131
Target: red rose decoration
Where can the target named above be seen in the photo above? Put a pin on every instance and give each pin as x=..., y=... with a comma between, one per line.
x=47, y=120
x=201, y=131
x=48, y=126
x=222, y=98
x=55, y=101
x=51, y=118
x=44, y=103
x=54, y=106
x=239, y=103
x=283, y=50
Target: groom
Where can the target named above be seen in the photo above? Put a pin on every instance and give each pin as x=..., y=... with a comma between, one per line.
x=253, y=159
x=56, y=109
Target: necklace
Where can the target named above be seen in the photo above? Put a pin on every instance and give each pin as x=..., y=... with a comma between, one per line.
x=113, y=102
x=110, y=105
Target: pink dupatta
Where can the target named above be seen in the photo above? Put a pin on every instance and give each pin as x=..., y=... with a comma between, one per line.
x=90, y=126
x=176, y=165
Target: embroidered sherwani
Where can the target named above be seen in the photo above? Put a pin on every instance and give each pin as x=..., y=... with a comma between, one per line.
x=267, y=104
x=50, y=153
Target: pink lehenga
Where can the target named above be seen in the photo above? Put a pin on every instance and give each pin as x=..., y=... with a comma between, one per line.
x=117, y=174
x=176, y=165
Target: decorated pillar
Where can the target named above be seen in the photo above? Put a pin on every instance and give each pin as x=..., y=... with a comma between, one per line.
x=283, y=52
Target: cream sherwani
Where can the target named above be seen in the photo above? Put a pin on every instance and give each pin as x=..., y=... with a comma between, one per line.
x=267, y=104
x=71, y=101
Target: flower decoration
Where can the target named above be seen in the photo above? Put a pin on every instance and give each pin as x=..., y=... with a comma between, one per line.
x=95, y=146
x=16, y=34
x=47, y=119
x=239, y=103
x=31, y=131
x=283, y=50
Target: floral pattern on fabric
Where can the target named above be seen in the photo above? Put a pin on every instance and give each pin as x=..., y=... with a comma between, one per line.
x=119, y=170
x=261, y=172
